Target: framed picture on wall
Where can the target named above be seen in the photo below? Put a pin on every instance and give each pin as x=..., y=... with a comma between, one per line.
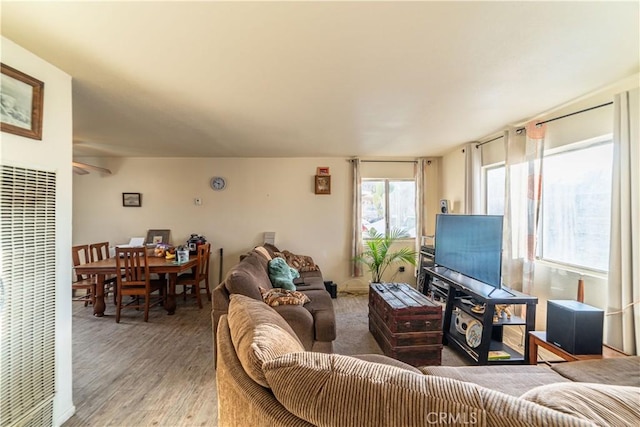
x=21, y=103
x=322, y=170
x=132, y=200
x=323, y=184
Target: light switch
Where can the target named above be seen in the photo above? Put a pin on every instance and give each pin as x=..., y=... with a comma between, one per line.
x=197, y=201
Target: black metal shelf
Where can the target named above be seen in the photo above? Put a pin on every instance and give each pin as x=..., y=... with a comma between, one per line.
x=463, y=287
x=459, y=341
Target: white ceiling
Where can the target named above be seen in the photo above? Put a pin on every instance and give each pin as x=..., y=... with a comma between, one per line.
x=319, y=79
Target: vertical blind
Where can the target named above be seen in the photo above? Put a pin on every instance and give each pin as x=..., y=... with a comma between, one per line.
x=27, y=296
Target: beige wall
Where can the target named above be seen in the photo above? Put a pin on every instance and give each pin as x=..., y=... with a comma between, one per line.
x=53, y=153
x=262, y=194
x=453, y=179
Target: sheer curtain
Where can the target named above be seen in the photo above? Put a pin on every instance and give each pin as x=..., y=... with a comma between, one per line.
x=623, y=319
x=523, y=194
x=419, y=173
x=356, y=237
x=473, y=178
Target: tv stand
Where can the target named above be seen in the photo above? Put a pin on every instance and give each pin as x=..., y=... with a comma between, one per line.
x=463, y=288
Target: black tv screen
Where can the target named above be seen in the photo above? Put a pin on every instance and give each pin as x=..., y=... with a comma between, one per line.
x=470, y=245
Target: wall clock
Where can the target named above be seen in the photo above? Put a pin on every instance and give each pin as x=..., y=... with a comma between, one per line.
x=218, y=183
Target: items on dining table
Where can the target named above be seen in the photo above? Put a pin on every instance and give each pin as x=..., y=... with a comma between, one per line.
x=194, y=241
x=164, y=250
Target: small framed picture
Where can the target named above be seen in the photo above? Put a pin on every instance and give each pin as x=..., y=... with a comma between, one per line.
x=322, y=170
x=21, y=103
x=323, y=184
x=132, y=200
x=158, y=236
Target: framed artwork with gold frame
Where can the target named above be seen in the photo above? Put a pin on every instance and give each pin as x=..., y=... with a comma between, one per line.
x=323, y=184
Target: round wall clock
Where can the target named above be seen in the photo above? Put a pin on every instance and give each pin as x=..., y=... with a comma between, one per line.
x=218, y=183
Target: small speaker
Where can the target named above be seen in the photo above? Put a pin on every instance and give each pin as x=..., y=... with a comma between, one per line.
x=575, y=327
x=444, y=206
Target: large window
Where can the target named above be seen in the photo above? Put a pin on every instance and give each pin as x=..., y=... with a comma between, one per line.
x=576, y=204
x=389, y=204
x=576, y=208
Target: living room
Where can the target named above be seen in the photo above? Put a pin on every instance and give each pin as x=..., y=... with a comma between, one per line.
x=271, y=193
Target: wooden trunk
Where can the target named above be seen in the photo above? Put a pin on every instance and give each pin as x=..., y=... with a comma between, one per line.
x=406, y=324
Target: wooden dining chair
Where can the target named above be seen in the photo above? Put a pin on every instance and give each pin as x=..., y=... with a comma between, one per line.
x=199, y=274
x=135, y=281
x=98, y=252
x=82, y=282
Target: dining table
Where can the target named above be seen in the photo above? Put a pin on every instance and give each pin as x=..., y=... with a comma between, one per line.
x=158, y=265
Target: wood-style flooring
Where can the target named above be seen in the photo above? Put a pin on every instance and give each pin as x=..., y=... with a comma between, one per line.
x=133, y=373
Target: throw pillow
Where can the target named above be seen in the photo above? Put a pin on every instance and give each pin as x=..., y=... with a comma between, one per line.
x=259, y=334
x=601, y=404
x=302, y=263
x=278, y=296
x=281, y=275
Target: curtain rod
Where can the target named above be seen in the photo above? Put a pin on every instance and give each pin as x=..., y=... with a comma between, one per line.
x=385, y=161
x=519, y=130
x=569, y=115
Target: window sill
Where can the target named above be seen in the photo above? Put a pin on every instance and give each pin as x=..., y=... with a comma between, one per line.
x=573, y=269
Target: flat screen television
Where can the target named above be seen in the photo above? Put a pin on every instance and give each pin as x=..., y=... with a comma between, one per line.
x=470, y=245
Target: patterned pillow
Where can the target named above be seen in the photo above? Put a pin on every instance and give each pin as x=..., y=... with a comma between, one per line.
x=302, y=263
x=278, y=296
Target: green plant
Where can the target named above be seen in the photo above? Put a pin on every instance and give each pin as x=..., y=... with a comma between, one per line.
x=377, y=255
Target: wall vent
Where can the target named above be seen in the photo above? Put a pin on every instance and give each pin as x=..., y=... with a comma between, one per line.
x=27, y=296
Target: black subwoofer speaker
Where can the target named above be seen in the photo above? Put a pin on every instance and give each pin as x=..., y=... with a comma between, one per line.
x=575, y=327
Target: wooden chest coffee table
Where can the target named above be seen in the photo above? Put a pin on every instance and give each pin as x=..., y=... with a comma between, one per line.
x=405, y=323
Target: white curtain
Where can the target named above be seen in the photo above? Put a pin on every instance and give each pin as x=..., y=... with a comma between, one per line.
x=419, y=174
x=623, y=319
x=523, y=194
x=473, y=178
x=356, y=237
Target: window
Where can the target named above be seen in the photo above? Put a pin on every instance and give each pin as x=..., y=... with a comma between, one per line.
x=495, y=190
x=389, y=204
x=576, y=204
x=576, y=207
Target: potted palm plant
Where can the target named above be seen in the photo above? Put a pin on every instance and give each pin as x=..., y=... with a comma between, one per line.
x=378, y=255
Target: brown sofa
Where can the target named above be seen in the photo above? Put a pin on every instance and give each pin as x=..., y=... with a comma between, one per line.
x=314, y=322
x=265, y=377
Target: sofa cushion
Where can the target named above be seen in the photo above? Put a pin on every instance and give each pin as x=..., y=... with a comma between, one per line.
x=522, y=378
x=248, y=276
x=282, y=275
x=302, y=263
x=259, y=334
x=605, y=405
x=278, y=296
x=332, y=389
x=324, y=317
x=613, y=371
x=385, y=360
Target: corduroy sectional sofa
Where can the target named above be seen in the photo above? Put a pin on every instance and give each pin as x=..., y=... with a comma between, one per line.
x=265, y=377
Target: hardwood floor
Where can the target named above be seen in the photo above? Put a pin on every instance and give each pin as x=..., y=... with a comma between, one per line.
x=134, y=373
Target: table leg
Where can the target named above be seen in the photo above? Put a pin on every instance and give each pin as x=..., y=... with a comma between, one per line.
x=99, y=306
x=170, y=303
x=533, y=350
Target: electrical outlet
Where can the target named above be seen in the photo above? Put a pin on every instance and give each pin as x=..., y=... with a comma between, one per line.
x=401, y=269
